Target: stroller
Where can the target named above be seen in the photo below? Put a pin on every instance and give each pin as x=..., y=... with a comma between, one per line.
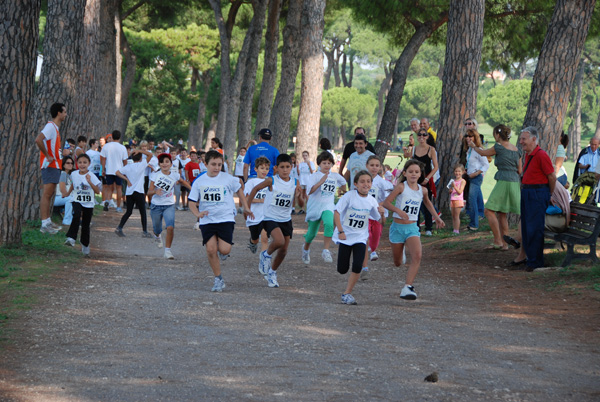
x=585, y=189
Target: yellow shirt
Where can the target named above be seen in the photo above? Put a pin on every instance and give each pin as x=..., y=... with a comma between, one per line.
x=432, y=133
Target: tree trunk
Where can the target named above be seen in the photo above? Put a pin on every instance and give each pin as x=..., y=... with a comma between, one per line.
x=267, y=88
x=459, y=92
x=390, y=114
x=336, y=67
x=212, y=130
x=328, y=70
x=108, y=72
x=556, y=69
x=309, y=116
x=19, y=34
x=59, y=82
x=577, y=106
x=384, y=88
x=343, y=71
x=290, y=62
x=123, y=90
x=247, y=92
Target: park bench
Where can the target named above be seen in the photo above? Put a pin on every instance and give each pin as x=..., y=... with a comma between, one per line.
x=583, y=229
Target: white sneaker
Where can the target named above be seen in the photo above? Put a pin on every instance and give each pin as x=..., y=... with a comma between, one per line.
x=306, y=256
x=169, y=255
x=70, y=242
x=428, y=233
x=197, y=226
x=86, y=251
x=364, y=274
x=158, y=240
x=348, y=299
x=408, y=293
x=218, y=286
x=222, y=257
x=112, y=204
x=272, y=279
x=264, y=264
x=48, y=229
x=327, y=256
x=374, y=256
x=55, y=226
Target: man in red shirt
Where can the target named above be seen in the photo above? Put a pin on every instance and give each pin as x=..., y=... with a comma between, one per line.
x=537, y=185
x=48, y=142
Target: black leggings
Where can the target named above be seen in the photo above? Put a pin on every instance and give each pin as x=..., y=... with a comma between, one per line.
x=344, y=252
x=139, y=200
x=85, y=215
x=426, y=214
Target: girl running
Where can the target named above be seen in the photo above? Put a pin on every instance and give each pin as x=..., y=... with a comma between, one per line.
x=351, y=216
x=408, y=196
x=457, y=201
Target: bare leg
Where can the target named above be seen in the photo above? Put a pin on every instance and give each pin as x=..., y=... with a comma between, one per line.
x=326, y=243
x=456, y=218
x=413, y=244
x=264, y=241
x=281, y=253
x=352, y=279
x=169, y=237
x=47, y=194
x=213, y=259
x=494, y=226
x=119, y=196
x=397, y=250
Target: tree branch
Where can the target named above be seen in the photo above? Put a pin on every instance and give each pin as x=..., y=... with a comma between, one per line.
x=132, y=9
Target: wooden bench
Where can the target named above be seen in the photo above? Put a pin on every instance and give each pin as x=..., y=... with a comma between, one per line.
x=583, y=229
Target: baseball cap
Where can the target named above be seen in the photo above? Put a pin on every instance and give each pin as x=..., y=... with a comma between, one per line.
x=265, y=133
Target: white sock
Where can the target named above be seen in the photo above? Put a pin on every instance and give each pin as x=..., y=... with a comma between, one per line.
x=46, y=222
x=167, y=249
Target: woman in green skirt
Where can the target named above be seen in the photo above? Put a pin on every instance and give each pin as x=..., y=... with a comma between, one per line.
x=506, y=195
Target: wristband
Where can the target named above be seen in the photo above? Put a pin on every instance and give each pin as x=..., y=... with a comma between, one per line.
x=341, y=232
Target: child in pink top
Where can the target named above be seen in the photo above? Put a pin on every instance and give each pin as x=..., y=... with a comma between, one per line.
x=457, y=201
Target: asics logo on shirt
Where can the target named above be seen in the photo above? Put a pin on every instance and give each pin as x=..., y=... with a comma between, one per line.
x=357, y=216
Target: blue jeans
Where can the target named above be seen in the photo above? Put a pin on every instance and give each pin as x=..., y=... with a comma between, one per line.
x=60, y=201
x=475, y=201
x=534, y=202
x=160, y=212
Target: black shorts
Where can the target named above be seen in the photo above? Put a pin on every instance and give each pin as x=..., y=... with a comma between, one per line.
x=223, y=230
x=286, y=227
x=255, y=230
x=113, y=179
x=184, y=190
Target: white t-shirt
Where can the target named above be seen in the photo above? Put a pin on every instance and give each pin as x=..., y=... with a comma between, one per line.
x=239, y=166
x=280, y=201
x=355, y=212
x=115, y=154
x=95, y=163
x=167, y=184
x=154, y=163
x=380, y=189
x=52, y=144
x=135, y=174
x=324, y=198
x=409, y=201
x=183, y=163
x=215, y=195
x=356, y=163
x=256, y=207
x=305, y=171
x=83, y=193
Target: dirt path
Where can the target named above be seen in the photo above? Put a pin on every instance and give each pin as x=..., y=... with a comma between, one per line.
x=130, y=326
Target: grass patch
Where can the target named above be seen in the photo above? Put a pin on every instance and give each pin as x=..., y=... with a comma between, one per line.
x=23, y=267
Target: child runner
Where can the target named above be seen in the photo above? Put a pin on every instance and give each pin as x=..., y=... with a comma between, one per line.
x=255, y=225
x=133, y=175
x=321, y=188
x=294, y=175
x=404, y=230
x=184, y=160
x=162, y=187
x=351, y=216
x=213, y=192
x=96, y=164
x=63, y=195
x=239, y=164
x=278, y=216
x=176, y=168
x=388, y=175
x=83, y=187
x=379, y=190
x=457, y=201
x=304, y=169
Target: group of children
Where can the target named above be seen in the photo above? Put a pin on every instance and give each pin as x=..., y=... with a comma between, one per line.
x=267, y=204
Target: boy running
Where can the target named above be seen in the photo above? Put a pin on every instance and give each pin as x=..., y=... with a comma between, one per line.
x=255, y=225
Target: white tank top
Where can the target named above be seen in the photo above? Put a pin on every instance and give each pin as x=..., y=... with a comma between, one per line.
x=279, y=202
x=409, y=201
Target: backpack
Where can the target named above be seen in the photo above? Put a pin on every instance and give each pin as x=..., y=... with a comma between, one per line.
x=584, y=189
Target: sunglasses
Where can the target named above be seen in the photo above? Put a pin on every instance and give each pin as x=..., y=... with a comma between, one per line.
x=422, y=135
x=468, y=123
x=471, y=136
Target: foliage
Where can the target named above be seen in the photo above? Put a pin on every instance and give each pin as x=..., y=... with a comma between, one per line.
x=347, y=107
x=507, y=104
x=421, y=98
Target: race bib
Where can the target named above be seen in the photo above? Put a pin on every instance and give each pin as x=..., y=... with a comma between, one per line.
x=282, y=200
x=261, y=195
x=96, y=168
x=165, y=183
x=174, y=169
x=356, y=219
x=212, y=193
x=195, y=172
x=327, y=188
x=84, y=194
x=374, y=192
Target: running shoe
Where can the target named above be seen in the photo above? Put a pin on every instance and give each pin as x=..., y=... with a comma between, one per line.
x=348, y=299
x=179, y=208
x=147, y=235
x=105, y=206
x=253, y=247
x=327, y=256
x=86, y=251
x=119, y=232
x=48, y=229
x=408, y=293
x=158, y=240
x=306, y=256
x=272, y=279
x=374, y=256
x=218, y=286
x=119, y=209
x=197, y=226
x=364, y=274
x=169, y=255
x=264, y=264
x=70, y=242
x=222, y=257
x=55, y=226
x=112, y=204
x=428, y=233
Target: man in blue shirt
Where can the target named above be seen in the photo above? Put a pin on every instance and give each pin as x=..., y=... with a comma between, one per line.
x=263, y=148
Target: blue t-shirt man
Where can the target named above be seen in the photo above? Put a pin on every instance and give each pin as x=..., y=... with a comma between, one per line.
x=263, y=148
